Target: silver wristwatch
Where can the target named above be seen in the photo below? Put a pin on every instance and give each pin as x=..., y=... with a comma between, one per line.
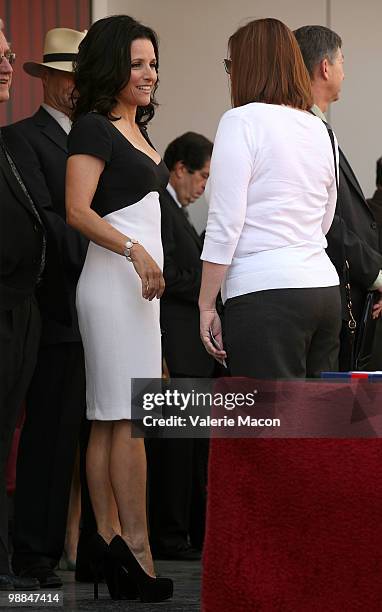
x=128, y=246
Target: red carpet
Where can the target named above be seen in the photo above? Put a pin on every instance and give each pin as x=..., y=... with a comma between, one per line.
x=294, y=526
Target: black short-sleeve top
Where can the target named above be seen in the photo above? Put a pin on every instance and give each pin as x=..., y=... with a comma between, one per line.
x=129, y=174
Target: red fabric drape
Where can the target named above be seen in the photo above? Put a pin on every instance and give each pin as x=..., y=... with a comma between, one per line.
x=25, y=25
x=293, y=525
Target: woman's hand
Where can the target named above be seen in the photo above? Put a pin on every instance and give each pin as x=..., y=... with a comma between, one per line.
x=212, y=278
x=149, y=272
x=210, y=320
x=377, y=308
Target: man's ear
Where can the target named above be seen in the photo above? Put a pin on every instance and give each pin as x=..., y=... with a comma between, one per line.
x=324, y=69
x=179, y=169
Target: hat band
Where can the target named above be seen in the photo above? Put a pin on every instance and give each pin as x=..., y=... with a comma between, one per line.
x=59, y=57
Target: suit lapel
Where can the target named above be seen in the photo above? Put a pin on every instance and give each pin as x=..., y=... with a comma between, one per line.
x=347, y=170
x=51, y=129
x=192, y=231
x=187, y=225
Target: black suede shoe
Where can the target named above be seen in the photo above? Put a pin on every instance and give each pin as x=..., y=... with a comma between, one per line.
x=10, y=582
x=148, y=588
x=45, y=575
x=178, y=553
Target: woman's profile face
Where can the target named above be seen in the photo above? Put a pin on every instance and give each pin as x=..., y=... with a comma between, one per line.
x=143, y=74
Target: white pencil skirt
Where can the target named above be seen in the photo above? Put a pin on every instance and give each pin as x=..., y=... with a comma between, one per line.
x=120, y=330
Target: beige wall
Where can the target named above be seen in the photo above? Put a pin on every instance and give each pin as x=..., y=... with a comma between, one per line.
x=357, y=117
x=193, y=92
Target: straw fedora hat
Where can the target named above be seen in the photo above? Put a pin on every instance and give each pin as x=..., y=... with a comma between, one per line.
x=60, y=49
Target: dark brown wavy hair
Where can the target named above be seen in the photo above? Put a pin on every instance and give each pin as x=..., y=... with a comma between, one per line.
x=267, y=66
x=103, y=65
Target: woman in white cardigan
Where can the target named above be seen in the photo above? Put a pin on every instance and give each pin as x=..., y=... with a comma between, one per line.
x=272, y=195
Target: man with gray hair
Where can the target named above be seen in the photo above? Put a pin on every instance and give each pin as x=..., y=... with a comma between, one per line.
x=55, y=402
x=354, y=224
x=22, y=260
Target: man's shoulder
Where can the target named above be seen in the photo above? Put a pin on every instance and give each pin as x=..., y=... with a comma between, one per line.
x=37, y=135
x=27, y=130
x=28, y=123
x=19, y=140
x=14, y=130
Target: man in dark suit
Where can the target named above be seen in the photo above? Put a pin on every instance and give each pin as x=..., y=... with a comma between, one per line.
x=24, y=245
x=55, y=403
x=354, y=223
x=177, y=468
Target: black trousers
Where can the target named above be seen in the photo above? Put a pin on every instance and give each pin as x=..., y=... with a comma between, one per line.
x=19, y=337
x=177, y=487
x=283, y=333
x=177, y=481
x=55, y=408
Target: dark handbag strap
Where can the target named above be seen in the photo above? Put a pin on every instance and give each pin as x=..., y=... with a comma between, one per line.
x=352, y=324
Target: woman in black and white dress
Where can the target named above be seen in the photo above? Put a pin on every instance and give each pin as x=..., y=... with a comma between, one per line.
x=113, y=179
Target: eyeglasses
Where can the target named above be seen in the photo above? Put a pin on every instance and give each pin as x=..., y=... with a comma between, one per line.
x=227, y=65
x=9, y=56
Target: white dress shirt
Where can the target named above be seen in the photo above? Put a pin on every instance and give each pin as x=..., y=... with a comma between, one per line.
x=62, y=119
x=272, y=196
x=172, y=193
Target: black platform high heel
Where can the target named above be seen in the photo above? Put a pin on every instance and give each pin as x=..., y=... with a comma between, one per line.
x=120, y=585
x=150, y=589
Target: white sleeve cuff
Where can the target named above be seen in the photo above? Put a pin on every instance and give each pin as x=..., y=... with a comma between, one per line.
x=378, y=282
x=218, y=252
